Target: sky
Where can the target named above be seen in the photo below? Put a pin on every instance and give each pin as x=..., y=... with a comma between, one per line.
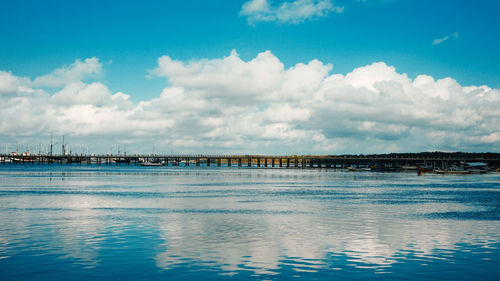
x=250, y=77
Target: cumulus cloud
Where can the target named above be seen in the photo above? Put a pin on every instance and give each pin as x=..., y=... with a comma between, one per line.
x=11, y=84
x=224, y=78
x=293, y=12
x=438, y=41
x=77, y=71
x=229, y=105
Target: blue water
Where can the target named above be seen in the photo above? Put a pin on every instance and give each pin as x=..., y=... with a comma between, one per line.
x=210, y=223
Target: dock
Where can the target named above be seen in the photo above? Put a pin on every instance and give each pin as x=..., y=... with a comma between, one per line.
x=434, y=160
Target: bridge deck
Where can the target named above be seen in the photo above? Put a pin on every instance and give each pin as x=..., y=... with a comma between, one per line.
x=329, y=161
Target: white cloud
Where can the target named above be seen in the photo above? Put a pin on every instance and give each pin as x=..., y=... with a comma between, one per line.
x=256, y=6
x=224, y=78
x=278, y=112
x=12, y=85
x=77, y=71
x=438, y=41
x=293, y=12
x=259, y=106
x=80, y=93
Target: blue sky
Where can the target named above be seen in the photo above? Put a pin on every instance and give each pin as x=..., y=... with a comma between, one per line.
x=39, y=36
x=457, y=39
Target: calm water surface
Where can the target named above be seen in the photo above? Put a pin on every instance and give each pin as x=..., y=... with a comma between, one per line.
x=176, y=223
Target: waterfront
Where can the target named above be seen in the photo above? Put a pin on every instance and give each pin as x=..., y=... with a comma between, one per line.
x=112, y=222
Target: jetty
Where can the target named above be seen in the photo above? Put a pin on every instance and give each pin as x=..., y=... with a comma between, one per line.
x=435, y=160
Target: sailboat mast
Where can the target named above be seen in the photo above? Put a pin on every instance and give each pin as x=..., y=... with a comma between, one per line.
x=51, y=145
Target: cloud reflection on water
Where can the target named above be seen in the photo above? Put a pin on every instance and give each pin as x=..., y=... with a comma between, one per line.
x=369, y=235
x=255, y=221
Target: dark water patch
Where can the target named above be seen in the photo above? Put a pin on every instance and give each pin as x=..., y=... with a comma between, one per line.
x=138, y=194
x=204, y=211
x=163, y=210
x=489, y=215
x=482, y=197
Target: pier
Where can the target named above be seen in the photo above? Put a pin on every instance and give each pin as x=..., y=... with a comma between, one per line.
x=434, y=160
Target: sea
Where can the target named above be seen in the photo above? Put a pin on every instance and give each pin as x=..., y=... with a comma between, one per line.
x=235, y=223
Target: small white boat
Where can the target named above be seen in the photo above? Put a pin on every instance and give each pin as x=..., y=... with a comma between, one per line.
x=360, y=169
x=451, y=171
x=151, y=164
x=411, y=168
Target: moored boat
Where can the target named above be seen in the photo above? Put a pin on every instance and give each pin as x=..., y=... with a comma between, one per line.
x=122, y=161
x=384, y=168
x=409, y=168
x=476, y=167
x=151, y=163
x=451, y=171
x=360, y=169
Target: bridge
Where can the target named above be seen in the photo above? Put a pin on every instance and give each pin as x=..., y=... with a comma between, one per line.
x=435, y=160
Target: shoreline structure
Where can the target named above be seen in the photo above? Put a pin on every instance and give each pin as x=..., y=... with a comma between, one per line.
x=409, y=161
